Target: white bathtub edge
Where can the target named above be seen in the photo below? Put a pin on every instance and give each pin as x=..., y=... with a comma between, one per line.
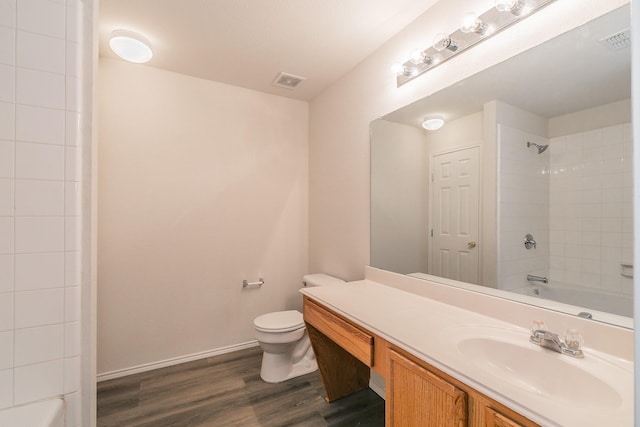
x=46, y=413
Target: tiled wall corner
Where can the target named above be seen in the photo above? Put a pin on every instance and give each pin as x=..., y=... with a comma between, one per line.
x=40, y=189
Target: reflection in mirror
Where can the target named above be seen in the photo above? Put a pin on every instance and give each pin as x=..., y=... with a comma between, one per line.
x=527, y=188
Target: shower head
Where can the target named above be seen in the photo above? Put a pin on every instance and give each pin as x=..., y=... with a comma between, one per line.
x=540, y=148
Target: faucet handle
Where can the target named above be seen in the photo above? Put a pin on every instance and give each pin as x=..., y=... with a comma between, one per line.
x=573, y=339
x=537, y=326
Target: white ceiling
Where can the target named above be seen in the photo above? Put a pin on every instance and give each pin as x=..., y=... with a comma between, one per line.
x=247, y=43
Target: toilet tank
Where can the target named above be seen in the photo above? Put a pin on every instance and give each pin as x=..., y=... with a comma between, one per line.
x=321, y=280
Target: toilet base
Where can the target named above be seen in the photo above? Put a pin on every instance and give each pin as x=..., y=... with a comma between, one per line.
x=277, y=367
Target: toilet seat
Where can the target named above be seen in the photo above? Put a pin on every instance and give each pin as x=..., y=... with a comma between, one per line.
x=279, y=321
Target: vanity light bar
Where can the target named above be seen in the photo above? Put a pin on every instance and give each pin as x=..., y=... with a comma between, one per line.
x=486, y=25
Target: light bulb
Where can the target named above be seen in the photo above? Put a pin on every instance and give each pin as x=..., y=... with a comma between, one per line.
x=470, y=22
x=397, y=68
x=417, y=56
x=506, y=5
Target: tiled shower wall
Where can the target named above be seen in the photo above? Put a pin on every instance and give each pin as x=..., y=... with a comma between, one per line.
x=523, y=207
x=591, y=215
x=40, y=188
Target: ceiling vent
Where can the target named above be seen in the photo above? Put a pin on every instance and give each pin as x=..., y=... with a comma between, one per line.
x=287, y=81
x=618, y=40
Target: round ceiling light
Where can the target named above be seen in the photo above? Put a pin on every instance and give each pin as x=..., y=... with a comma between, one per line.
x=130, y=46
x=433, y=122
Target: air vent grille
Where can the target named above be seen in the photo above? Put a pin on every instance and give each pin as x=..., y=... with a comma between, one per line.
x=287, y=81
x=618, y=40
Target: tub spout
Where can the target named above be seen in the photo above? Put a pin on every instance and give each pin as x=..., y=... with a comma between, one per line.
x=532, y=278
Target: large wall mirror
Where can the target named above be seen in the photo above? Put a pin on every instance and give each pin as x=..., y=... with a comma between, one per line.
x=526, y=191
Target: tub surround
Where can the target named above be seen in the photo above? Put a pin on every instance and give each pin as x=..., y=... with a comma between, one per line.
x=423, y=323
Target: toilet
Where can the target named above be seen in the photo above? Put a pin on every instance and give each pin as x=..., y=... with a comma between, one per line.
x=284, y=339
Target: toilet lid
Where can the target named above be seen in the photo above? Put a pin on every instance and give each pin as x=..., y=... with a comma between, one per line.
x=280, y=321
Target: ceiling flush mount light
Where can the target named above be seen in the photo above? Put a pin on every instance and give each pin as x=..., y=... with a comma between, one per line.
x=131, y=46
x=473, y=30
x=433, y=122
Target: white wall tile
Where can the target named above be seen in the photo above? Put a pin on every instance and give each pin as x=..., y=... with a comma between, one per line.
x=7, y=45
x=71, y=380
x=40, y=52
x=73, y=410
x=40, y=88
x=7, y=159
x=39, y=271
x=72, y=164
x=39, y=161
x=74, y=20
x=72, y=301
x=72, y=268
x=42, y=16
x=39, y=234
x=39, y=308
x=7, y=120
x=72, y=339
x=37, y=345
x=6, y=235
x=6, y=311
x=39, y=198
x=72, y=233
x=8, y=13
x=36, y=382
x=6, y=273
x=7, y=83
x=72, y=128
x=35, y=124
x=6, y=387
x=6, y=350
x=6, y=197
x=73, y=63
x=72, y=199
x=72, y=93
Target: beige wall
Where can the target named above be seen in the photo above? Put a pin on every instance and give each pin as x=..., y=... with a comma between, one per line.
x=201, y=185
x=340, y=117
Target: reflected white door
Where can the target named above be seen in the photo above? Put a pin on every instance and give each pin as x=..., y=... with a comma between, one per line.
x=454, y=213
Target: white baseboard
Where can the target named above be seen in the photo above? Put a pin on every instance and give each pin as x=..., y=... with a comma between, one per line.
x=174, y=361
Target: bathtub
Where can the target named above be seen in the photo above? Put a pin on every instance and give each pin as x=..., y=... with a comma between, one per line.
x=48, y=413
x=609, y=303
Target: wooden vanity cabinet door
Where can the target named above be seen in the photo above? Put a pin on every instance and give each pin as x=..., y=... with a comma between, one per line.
x=496, y=419
x=419, y=398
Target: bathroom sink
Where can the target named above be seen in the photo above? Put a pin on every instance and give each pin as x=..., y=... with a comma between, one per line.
x=507, y=356
x=539, y=371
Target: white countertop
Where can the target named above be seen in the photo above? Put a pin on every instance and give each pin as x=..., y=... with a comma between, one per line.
x=428, y=329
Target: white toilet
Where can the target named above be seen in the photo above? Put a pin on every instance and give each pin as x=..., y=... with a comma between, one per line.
x=284, y=340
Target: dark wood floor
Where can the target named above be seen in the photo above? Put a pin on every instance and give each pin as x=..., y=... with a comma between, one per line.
x=226, y=391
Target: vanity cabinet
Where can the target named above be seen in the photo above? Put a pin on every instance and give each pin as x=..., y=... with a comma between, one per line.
x=417, y=397
x=417, y=394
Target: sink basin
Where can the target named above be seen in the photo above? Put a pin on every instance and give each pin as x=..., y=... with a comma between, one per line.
x=586, y=391
x=539, y=371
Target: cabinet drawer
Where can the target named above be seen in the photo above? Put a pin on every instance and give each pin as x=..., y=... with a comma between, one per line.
x=356, y=341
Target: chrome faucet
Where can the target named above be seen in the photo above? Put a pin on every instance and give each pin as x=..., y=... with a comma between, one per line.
x=532, y=278
x=569, y=346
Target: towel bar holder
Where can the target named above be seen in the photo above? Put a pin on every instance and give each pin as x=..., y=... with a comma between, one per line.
x=246, y=284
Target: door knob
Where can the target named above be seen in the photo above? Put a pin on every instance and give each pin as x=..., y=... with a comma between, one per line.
x=472, y=245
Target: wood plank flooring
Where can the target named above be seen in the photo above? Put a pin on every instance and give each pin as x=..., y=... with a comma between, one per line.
x=226, y=391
